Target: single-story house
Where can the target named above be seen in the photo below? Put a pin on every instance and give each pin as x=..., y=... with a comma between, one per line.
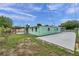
x=36, y=30
x=43, y=30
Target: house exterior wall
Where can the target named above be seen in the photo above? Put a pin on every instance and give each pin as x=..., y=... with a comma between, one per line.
x=18, y=31
x=44, y=30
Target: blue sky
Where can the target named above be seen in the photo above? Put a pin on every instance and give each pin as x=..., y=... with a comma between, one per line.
x=44, y=13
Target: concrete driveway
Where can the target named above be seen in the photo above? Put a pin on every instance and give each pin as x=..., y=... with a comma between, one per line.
x=64, y=39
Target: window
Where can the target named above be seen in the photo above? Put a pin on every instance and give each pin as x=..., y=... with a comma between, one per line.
x=57, y=28
x=36, y=29
x=48, y=29
x=32, y=29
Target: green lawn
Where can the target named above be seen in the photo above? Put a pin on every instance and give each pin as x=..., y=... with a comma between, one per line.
x=78, y=34
x=31, y=45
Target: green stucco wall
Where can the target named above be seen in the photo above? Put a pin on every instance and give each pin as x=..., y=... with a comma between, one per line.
x=43, y=30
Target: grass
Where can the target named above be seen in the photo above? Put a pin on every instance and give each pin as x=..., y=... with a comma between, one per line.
x=77, y=34
x=13, y=40
x=77, y=42
x=37, y=47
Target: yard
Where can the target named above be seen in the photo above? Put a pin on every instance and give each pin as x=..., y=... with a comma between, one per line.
x=77, y=36
x=29, y=45
x=77, y=42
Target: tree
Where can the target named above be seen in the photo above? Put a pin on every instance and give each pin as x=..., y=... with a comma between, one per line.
x=39, y=24
x=5, y=22
x=5, y=25
x=70, y=24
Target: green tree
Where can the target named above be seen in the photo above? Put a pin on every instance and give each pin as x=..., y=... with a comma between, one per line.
x=5, y=25
x=5, y=22
x=39, y=24
x=70, y=24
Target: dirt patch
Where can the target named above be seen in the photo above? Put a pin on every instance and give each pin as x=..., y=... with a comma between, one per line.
x=77, y=47
x=23, y=52
x=52, y=53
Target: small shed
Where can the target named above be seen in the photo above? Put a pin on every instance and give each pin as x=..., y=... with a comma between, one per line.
x=18, y=30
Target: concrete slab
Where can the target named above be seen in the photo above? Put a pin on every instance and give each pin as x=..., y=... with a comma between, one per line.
x=64, y=39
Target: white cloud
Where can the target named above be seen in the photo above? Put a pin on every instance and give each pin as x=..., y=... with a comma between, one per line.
x=22, y=18
x=37, y=8
x=64, y=20
x=73, y=9
x=17, y=11
x=54, y=6
x=70, y=11
x=34, y=7
x=18, y=17
x=31, y=7
x=5, y=4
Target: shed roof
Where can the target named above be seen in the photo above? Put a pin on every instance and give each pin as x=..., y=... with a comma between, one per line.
x=17, y=27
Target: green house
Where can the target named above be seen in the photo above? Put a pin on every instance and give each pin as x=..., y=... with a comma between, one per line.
x=43, y=30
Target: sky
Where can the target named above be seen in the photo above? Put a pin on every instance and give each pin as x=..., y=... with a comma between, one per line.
x=44, y=13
